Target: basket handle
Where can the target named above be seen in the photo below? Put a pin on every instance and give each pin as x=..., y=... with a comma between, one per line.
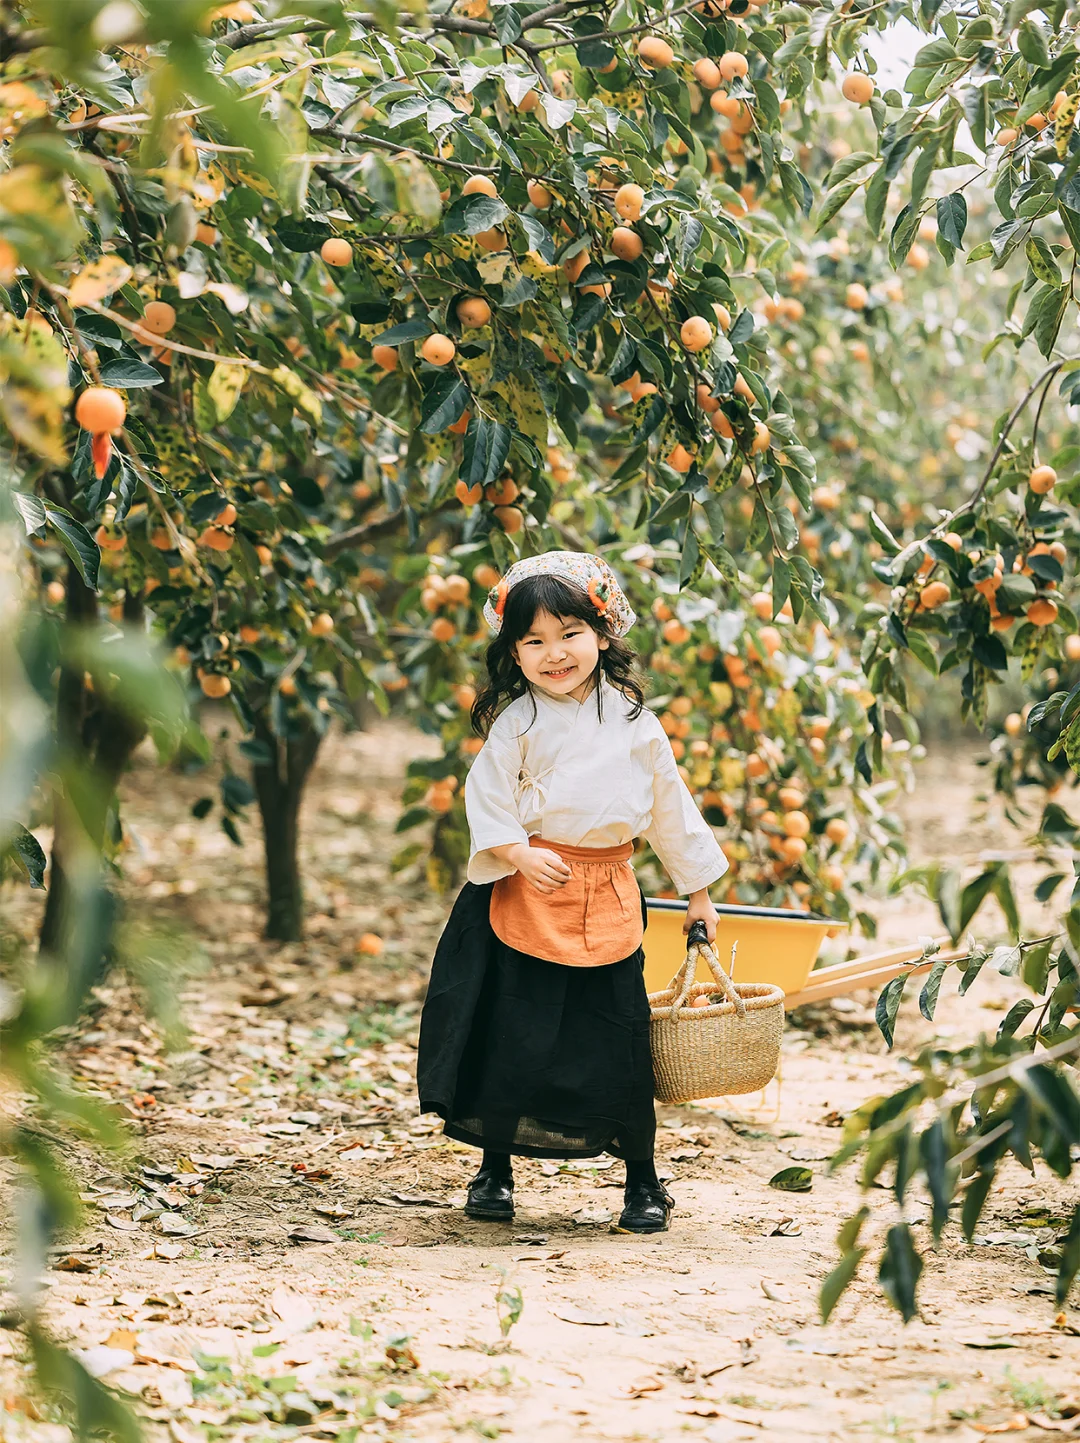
x=698, y=945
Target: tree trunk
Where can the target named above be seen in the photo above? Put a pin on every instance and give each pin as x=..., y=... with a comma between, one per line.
x=71, y=705
x=95, y=742
x=279, y=786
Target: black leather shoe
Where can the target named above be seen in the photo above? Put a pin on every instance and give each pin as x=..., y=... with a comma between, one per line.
x=647, y=1208
x=491, y=1197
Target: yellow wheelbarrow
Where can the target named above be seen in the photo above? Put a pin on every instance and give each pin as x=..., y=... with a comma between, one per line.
x=774, y=945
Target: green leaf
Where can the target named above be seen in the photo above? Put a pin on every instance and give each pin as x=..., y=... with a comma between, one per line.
x=905, y=228
x=973, y=896
x=888, y=1004
x=1004, y=893
x=77, y=542
x=899, y=1272
x=412, y=818
x=298, y=233
x=1031, y=42
x=928, y=997
x=922, y=650
x=26, y=850
x=1051, y=315
x=975, y=1196
x=1013, y=1018
x=1070, y=1260
x=781, y=579
x=792, y=1179
x=1055, y=1098
x=834, y=1286
x=1042, y=261
x=445, y=402
x=881, y=533
x=934, y=1153
x=31, y=509
x=97, y=1411
x=835, y=201
x=471, y=214
x=877, y=193
x=130, y=375
x=673, y=508
x=921, y=172
x=692, y=562
x=495, y=451
x=847, y=166
x=407, y=331
x=952, y=215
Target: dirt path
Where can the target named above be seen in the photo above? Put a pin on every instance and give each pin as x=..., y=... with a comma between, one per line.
x=285, y=1253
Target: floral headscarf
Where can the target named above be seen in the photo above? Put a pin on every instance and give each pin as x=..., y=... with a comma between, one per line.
x=590, y=573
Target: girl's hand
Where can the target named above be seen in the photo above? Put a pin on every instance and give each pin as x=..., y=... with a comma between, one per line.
x=701, y=909
x=545, y=870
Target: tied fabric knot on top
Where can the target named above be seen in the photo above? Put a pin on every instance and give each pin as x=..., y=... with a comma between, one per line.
x=591, y=573
x=530, y=787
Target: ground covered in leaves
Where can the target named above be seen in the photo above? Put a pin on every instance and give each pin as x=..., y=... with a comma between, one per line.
x=283, y=1254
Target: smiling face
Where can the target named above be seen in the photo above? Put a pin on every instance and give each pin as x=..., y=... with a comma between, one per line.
x=560, y=654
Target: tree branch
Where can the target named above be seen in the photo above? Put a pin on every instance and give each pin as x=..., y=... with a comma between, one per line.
x=348, y=192
x=377, y=143
x=654, y=24
x=357, y=535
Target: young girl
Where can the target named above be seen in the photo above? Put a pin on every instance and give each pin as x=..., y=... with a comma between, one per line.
x=534, y=1038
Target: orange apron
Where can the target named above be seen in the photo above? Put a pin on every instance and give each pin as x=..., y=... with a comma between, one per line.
x=592, y=921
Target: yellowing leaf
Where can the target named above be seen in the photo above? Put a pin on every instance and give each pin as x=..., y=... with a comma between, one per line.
x=209, y=186
x=99, y=279
x=254, y=181
x=235, y=297
x=224, y=387
x=493, y=268
x=305, y=398
x=1063, y=124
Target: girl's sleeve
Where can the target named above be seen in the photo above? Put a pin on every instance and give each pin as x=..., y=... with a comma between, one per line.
x=677, y=832
x=490, y=805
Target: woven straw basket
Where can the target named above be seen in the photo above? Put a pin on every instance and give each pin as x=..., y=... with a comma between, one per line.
x=717, y=1051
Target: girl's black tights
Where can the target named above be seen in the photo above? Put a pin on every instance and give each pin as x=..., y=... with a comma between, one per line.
x=499, y=1165
x=641, y=1172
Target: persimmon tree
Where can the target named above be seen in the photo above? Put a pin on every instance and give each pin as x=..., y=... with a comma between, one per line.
x=397, y=296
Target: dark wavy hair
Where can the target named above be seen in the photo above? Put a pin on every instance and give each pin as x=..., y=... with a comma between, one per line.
x=505, y=679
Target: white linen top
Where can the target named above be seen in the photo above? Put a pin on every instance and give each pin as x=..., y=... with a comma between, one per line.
x=570, y=777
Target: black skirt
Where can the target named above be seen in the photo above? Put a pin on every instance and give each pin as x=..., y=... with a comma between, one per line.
x=529, y=1057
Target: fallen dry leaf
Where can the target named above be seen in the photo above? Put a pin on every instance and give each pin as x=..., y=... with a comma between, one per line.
x=292, y=1309
x=569, y=1314
x=72, y=1264
x=123, y=1225
x=102, y=1360
x=771, y=1291
x=19, y=1403
x=122, y=1338
x=641, y=1387
x=1016, y=1424
x=164, y=1249
x=313, y=1233
x=786, y=1228
x=172, y=1224
x=411, y=1199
